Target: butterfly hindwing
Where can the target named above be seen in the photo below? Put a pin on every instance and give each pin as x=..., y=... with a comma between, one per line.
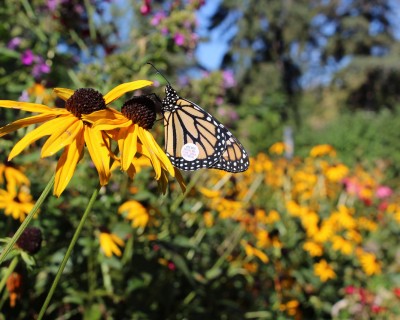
x=235, y=158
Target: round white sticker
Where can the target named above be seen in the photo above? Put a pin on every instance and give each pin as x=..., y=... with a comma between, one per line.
x=190, y=152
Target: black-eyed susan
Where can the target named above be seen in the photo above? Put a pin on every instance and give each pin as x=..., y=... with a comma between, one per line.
x=13, y=176
x=130, y=128
x=369, y=262
x=16, y=202
x=67, y=129
x=135, y=212
x=110, y=243
x=324, y=271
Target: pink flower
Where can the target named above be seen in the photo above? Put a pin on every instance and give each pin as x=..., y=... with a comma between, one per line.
x=145, y=9
x=229, y=79
x=350, y=289
x=171, y=266
x=179, y=39
x=377, y=309
x=157, y=18
x=383, y=192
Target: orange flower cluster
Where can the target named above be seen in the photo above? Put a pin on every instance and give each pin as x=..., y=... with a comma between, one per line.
x=317, y=206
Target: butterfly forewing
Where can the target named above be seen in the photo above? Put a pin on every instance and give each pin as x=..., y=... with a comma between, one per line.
x=188, y=124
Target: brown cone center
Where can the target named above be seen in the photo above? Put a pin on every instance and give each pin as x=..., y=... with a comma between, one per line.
x=85, y=101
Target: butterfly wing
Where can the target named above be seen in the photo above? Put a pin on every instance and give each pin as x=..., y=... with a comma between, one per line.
x=235, y=158
x=193, y=138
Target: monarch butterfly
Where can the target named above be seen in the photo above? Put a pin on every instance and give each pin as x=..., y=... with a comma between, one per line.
x=194, y=139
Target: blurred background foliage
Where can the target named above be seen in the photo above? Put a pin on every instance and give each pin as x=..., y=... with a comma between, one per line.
x=303, y=72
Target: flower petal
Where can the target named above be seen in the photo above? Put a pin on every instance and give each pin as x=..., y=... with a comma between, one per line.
x=44, y=130
x=107, y=119
x=67, y=163
x=128, y=146
x=155, y=148
x=99, y=152
x=31, y=107
x=22, y=123
x=63, y=93
x=118, y=91
x=62, y=136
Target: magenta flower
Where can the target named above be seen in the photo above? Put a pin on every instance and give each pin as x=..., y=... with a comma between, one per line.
x=40, y=68
x=179, y=39
x=14, y=43
x=27, y=57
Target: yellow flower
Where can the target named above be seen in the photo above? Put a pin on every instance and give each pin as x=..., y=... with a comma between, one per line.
x=324, y=233
x=68, y=131
x=343, y=217
x=135, y=212
x=210, y=193
x=313, y=248
x=130, y=129
x=273, y=216
x=251, y=267
x=337, y=172
x=367, y=224
x=369, y=263
x=16, y=202
x=110, y=243
x=322, y=150
x=324, y=271
x=254, y=252
x=344, y=246
x=290, y=307
x=208, y=219
x=13, y=176
x=277, y=148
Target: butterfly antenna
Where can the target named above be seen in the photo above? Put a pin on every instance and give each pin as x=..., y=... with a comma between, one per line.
x=158, y=71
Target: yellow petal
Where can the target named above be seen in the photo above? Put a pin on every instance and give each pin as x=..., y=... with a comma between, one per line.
x=31, y=107
x=67, y=163
x=63, y=93
x=118, y=91
x=129, y=146
x=156, y=154
x=107, y=119
x=117, y=240
x=99, y=152
x=62, y=136
x=44, y=130
x=22, y=123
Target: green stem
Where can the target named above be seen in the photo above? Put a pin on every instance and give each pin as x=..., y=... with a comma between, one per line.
x=10, y=269
x=68, y=253
x=189, y=187
x=27, y=220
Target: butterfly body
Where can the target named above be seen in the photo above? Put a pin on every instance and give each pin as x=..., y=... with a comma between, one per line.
x=194, y=139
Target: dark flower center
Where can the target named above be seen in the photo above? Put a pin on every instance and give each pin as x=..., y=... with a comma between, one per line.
x=85, y=101
x=30, y=240
x=141, y=110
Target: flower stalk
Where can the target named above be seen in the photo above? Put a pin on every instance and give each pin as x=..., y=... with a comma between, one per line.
x=27, y=220
x=68, y=253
